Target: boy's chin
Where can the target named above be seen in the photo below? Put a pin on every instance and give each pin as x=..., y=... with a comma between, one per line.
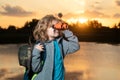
x=56, y=36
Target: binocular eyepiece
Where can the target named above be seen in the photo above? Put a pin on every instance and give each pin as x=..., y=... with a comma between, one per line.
x=60, y=26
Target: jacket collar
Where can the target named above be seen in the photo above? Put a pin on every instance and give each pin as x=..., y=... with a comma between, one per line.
x=57, y=39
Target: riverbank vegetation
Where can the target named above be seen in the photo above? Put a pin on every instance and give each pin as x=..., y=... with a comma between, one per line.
x=92, y=31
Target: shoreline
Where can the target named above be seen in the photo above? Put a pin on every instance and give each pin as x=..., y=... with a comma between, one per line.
x=99, y=42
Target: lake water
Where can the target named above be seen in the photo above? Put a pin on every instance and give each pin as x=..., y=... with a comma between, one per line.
x=94, y=61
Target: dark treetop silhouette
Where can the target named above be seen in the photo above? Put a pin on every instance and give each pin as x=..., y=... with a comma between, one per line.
x=91, y=31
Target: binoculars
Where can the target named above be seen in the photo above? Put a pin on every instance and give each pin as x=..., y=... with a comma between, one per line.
x=60, y=26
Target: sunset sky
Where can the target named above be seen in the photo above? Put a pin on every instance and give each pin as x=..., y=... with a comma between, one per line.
x=17, y=12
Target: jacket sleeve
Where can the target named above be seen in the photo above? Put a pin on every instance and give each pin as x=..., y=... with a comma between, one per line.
x=70, y=45
x=36, y=60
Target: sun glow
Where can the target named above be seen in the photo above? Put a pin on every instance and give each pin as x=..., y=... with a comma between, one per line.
x=82, y=20
x=74, y=20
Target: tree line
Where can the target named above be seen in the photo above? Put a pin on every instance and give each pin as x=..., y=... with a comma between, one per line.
x=92, y=31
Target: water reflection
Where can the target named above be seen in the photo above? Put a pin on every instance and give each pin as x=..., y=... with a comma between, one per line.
x=92, y=62
x=95, y=61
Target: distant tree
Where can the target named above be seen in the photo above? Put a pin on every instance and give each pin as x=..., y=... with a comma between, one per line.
x=115, y=26
x=12, y=27
x=26, y=24
x=0, y=27
x=29, y=25
x=94, y=24
x=119, y=25
x=60, y=15
x=33, y=23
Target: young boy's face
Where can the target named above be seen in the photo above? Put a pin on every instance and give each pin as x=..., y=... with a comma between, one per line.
x=51, y=32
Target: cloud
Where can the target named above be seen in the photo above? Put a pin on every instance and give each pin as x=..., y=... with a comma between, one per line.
x=96, y=5
x=95, y=14
x=118, y=2
x=88, y=14
x=15, y=11
x=117, y=15
x=97, y=2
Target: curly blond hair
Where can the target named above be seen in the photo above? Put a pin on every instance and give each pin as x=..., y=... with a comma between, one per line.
x=39, y=32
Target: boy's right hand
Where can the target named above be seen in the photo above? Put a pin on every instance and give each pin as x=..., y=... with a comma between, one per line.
x=40, y=47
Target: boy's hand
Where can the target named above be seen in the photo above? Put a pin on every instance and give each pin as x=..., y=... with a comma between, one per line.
x=40, y=47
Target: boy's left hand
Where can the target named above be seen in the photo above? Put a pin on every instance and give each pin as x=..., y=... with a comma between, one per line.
x=40, y=47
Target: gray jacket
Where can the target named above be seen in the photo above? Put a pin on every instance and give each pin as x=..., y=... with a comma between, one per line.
x=67, y=46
